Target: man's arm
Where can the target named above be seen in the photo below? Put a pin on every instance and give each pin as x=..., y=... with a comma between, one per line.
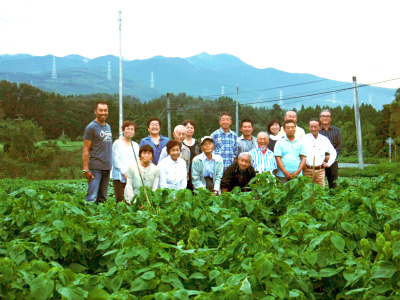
x=196, y=174
x=226, y=180
x=332, y=152
x=280, y=166
x=339, y=146
x=86, y=148
x=302, y=165
x=219, y=172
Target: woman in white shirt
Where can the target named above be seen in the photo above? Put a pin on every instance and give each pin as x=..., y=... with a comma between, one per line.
x=273, y=128
x=122, y=156
x=149, y=171
x=173, y=172
x=193, y=145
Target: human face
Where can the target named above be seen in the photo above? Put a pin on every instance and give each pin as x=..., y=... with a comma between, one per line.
x=225, y=122
x=146, y=157
x=247, y=129
x=129, y=131
x=314, y=128
x=175, y=152
x=290, y=130
x=180, y=135
x=262, y=140
x=291, y=115
x=275, y=128
x=244, y=162
x=154, y=128
x=101, y=112
x=189, y=130
x=207, y=146
x=325, y=118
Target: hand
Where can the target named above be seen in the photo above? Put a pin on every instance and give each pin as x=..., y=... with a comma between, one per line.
x=89, y=176
x=288, y=175
x=325, y=165
x=327, y=156
x=126, y=177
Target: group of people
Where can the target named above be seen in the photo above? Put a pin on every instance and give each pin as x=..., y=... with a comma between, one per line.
x=218, y=162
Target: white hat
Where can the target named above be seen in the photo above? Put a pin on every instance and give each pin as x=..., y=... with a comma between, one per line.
x=207, y=137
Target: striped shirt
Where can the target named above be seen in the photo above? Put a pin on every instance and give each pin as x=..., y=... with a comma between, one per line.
x=263, y=162
x=334, y=135
x=225, y=145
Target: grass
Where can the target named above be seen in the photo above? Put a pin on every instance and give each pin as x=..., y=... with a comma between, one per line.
x=371, y=171
x=69, y=146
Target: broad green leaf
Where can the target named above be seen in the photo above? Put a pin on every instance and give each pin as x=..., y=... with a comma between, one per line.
x=41, y=287
x=72, y=292
x=279, y=288
x=48, y=252
x=265, y=268
x=294, y=293
x=181, y=294
x=328, y=272
x=197, y=276
x=148, y=275
x=116, y=283
x=104, y=245
x=30, y=192
x=246, y=287
x=312, y=258
x=347, y=227
x=293, y=183
x=338, y=242
x=77, y=268
x=353, y=277
x=214, y=274
x=17, y=253
x=357, y=291
x=396, y=249
x=98, y=294
x=219, y=258
x=138, y=285
x=252, y=233
x=384, y=270
x=87, y=237
x=128, y=276
x=161, y=296
x=59, y=225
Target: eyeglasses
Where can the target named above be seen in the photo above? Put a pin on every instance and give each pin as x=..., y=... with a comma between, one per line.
x=325, y=117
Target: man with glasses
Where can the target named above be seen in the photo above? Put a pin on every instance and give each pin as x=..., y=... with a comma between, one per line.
x=316, y=145
x=335, y=137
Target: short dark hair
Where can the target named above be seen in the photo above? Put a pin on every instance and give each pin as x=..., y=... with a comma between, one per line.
x=272, y=122
x=171, y=144
x=315, y=120
x=191, y=122
x=153, y=119
x=287, y=122
x=247, y=121
x=100, y=102
x=127, y=124
x=225, y=113
x=146, y=148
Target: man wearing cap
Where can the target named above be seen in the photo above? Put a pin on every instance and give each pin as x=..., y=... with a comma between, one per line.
x=207, y=167
x=316, y=145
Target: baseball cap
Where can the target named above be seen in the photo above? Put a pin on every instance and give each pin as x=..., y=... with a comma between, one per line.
x=207, y=137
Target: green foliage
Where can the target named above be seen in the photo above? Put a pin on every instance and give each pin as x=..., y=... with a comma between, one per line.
x=371, y=171
x=273, y=242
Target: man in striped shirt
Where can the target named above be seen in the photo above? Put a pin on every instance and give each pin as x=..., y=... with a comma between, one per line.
x=225, y=140
x=263, y=158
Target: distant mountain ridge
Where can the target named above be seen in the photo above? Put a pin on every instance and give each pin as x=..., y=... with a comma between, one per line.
x=202, y=74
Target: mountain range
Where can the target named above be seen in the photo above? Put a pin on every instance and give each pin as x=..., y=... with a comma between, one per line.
x=199, y=75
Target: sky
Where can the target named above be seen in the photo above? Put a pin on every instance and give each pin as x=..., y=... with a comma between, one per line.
x=331, y=39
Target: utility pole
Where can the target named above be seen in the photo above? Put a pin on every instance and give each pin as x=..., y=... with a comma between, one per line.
x=54, y=71
x=152, y=80
x=169, y=116
x=237, y=109
x=358, y=125
x=109, y=71
x=121, y=112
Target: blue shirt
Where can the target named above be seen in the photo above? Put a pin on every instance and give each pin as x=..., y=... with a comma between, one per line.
x=290, y=154
x=209, y=167
x=157, y=148
x=225, y=145
x=263, y=162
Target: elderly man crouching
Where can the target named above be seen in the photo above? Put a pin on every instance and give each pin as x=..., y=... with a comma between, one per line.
x=263, y=158
x=238, y=174
x=207, y=167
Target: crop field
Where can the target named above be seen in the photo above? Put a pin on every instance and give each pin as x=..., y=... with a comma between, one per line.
x=273, y=242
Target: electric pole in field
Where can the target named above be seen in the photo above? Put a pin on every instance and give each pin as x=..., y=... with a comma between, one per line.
x=237, y=109
x=222, y=90
x=54, y=72
x=358, y=125
x=152, y=80
x=121, y=112
x=109, y=71
x=169, y=116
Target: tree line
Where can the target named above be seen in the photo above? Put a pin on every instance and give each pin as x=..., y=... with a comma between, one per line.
x=55, y=115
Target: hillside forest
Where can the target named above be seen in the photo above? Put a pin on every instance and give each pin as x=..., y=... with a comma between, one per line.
x=31, y=120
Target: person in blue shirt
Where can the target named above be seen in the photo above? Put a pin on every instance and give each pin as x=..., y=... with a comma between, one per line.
x=155, y=139
x=207, y=168
x=290, y=154
x=225, y=140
